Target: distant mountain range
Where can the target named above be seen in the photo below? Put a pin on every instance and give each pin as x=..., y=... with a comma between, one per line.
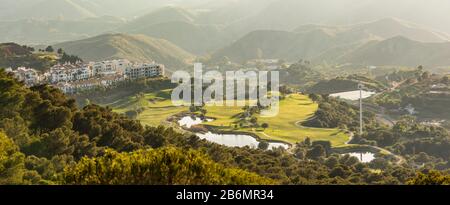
x=180, y=27
x=288, y=14
x=317, y=30
x=138, y=48
x=383, y=42
x=38, y=31
x=400, y=51
x=80, y=9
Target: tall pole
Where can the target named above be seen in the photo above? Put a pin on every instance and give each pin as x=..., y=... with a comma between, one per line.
x=360, y=86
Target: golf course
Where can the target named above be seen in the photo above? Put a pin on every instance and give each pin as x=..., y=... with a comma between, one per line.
x=155, y=108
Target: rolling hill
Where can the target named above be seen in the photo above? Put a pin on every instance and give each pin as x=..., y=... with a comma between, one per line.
x=13, y=55
x=380, y=29
x=41, y=31
x=79, y=9
x=289, y=14
x=344, y=84
x=400, y=51
x=277, y=44
x=373, y=43
x=163, y=15
x=197, y=39
x=54, y=9
x=138, y=48
x=179, y=26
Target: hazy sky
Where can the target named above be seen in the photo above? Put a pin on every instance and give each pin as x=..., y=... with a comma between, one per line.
x=431, y=13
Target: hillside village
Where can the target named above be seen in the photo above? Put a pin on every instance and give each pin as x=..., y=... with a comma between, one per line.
x=76, y=77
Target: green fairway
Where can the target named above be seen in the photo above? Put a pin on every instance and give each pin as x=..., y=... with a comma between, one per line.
x=156, y=108
x=286, y=126
x=156, y=116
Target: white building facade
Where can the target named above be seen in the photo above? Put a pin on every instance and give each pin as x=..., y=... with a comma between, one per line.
x=144, y=70
x=27, y=75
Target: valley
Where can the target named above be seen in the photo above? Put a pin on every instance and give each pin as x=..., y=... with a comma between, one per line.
x=86, y=92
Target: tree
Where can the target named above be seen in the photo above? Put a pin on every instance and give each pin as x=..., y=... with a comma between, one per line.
x=57, y=142
x=420, y=68
x=49, y=49
x=431, y=178
x=326, y=145
x=338, y=172
x=307, y=141
x=316, y=152
x=254, y=120
x=60, y=51
x=155, y=137
x=425, y=75
x=263, y=145
x=331, y=162
x=445, y=80
x=265, y=125
x=87, y=102
x=166, y=166
x=11, y=162
x=65, y=58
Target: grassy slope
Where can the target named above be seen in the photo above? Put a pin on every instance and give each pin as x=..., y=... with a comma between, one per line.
x=157, y=107
x=137, y=48
x=14, y=55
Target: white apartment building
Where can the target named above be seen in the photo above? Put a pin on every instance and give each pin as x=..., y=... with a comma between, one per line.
x=144, y=70
x=112, y=67
x=77, y=86
x=72, y=78
x=27, y=75
x=69, y=72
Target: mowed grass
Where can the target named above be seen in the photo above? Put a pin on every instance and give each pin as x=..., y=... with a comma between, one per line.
x=286, y=126
x=156, y=116
x=157, y=107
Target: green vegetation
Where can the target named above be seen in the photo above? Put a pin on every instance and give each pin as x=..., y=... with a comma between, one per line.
x=343, y=84
x=11, y=162
x=153, y=109
x=335, y=113
x=294, y=110
x=13, y=55
x=166, y=166
x=430, y=178
x=286, y=126
x=48, y=140
x=300, y=75
x=427, y=94
x=46, y=132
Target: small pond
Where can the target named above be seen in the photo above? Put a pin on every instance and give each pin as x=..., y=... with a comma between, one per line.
x=237, y=140
x=230, y=140
x=353, y=95
x=364, y=157
x=189, y=121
